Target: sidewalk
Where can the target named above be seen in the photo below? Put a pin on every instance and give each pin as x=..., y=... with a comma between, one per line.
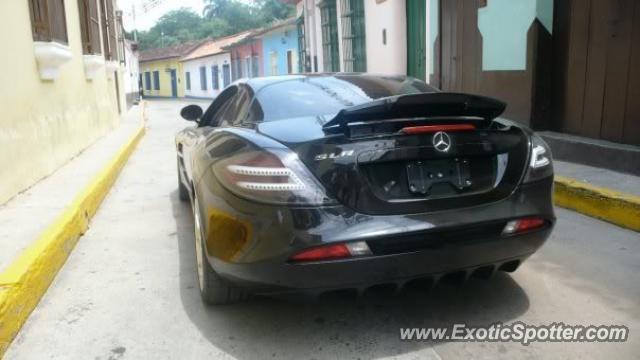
x=598, y=192
x=609, y=179
x=24, y=218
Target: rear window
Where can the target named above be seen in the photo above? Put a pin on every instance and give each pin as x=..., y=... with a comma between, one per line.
x=326, y=96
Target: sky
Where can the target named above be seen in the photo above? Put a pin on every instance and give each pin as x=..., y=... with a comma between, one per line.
x=147, y=12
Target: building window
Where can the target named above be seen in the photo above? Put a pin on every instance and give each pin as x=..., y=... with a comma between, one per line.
x=239, y=68
x=147, y=80
x=353, y=36
x=214, y=77
x=329, y=24
x=302, y=46
x=156, y=80
x=89, y=26
x=120, y=37
x=203, y=78
x=226, y=75
x=234, y=69
x=109, y=37
x=48, y=20
x=247, y=66
x=187, y=77
x=273, y=63
x=255, y=66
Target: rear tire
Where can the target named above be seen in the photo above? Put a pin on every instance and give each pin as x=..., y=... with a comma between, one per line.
x=183, y=192
x=214, y=290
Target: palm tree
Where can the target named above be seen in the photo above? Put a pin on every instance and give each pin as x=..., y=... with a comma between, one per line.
x=214, y=8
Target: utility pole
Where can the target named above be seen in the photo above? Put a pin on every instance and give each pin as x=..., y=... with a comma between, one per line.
x=135, y=27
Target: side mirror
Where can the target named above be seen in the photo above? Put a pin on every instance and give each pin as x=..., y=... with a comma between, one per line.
x=191, y=112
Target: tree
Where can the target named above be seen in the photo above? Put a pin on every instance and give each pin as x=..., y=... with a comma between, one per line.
x=215, y=8
x=238, y=15
x=220, y=18
x=272, y=10
x=174, y=27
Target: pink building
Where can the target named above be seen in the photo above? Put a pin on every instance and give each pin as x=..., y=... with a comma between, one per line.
x=246, y=58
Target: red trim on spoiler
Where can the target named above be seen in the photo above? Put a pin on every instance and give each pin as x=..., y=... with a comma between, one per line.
x=427, y=129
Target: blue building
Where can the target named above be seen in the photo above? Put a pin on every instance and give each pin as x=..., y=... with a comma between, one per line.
x=280, y=48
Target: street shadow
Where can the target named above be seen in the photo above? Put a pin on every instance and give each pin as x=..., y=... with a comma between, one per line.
x=337, y=326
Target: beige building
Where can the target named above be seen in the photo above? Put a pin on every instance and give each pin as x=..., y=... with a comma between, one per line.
x=61, y=84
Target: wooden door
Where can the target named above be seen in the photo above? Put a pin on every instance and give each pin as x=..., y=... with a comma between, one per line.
x=597, y=69
x=460, y=39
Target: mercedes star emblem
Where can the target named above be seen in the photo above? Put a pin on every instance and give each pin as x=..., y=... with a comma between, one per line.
x=441, y=141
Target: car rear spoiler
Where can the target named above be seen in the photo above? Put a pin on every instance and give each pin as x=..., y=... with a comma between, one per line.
x=427, y=105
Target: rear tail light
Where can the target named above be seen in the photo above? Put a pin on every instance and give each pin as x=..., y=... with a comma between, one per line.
x=332, y=252
x=523, y=225
x=540, y=163
x=274, y=176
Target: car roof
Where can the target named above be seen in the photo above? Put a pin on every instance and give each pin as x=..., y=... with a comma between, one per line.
x=260, y=82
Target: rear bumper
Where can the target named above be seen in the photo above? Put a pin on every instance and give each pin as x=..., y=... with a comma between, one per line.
x=360, y=273
x=250, y=244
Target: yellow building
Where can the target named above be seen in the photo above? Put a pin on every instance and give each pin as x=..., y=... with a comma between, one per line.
x=161, y=71
x=59, y=84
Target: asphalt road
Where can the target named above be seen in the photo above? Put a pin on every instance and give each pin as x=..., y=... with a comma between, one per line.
x=129, y=290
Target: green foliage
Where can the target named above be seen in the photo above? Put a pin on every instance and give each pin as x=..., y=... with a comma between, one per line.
x=220, y=18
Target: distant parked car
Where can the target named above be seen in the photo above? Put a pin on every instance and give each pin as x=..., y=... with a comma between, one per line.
x=331, y=181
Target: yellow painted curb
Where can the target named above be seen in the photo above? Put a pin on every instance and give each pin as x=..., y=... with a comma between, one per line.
x=612, y=206
x=24, y=282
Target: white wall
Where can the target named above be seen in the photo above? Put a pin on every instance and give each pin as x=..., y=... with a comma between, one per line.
x=392, y=57
x=131, y=72
x=193, y=67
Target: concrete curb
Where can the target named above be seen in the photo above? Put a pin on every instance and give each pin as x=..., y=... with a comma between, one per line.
x=26, y=280
x=612, y=206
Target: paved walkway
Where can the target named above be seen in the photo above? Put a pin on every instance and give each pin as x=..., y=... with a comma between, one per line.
x=23, y=218
x=613, y=180
x=129, y=290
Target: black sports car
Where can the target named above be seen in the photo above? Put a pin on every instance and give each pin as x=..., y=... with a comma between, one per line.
x=344, y=181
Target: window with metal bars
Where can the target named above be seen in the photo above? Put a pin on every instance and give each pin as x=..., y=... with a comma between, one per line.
x=156, y=80
x=48, y=20
x=215, y=77
x=226, y=76
x=147, y=80
x=238, y=67
x=203, y=78
x=89, y=26
x=255, y=66
x=302, y=46
x=109, y=37
x=120, y=37
x=329, y=25
x=247, y=67
x=353, y=36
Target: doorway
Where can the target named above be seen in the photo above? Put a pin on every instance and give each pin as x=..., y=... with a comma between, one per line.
x=416, y=38
x=596, y=64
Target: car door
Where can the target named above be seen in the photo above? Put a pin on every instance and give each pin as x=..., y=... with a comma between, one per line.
x=189, y=138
